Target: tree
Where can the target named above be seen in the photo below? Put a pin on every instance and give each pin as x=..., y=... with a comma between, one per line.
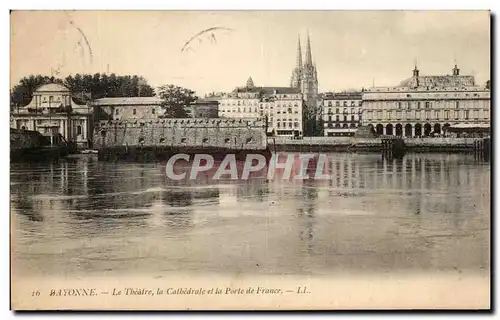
x=175, y=100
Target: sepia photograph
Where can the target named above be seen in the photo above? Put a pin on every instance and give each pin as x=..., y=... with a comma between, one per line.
x=250, y=160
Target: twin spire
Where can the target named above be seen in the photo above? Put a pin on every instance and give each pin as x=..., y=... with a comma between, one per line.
x=308, y=61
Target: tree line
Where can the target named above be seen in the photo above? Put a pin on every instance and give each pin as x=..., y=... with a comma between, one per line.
x=85, y=87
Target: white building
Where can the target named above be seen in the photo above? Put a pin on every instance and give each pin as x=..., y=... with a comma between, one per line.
x=54, y=111
x=342, y=113
x=423, y=105
x=281, y=106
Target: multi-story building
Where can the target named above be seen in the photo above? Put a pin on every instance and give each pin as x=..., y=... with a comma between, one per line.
x=126, y=108
x=342, y=113
x=281, y=106
x=53, y=111
x=424, y=105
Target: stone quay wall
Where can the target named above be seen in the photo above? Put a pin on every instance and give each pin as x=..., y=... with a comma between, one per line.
x=178, y=133
x=371, y=144
x=353, y=140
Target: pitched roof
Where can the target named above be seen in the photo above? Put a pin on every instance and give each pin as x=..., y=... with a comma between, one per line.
x=128, y=101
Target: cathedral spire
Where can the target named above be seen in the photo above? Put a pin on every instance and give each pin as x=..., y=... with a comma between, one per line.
x=299, y=55
x=308, y=52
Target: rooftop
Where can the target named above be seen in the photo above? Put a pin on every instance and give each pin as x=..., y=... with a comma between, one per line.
x=268, y=90
x=208, y=100
x=438, y=81
x=343, y=95
x=124, y=101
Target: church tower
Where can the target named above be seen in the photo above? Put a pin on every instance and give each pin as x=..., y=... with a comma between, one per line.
x=304, y=75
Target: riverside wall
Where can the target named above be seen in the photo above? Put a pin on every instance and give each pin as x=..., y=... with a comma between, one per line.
x=181, y=134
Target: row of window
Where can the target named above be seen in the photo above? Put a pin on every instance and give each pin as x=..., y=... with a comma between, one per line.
x=337, y=125
x=240, y=103
x=261, y=112
x=284, y=119
x=268, y=114
x=290, y=125
x=134, y=111
x=337, y=118
x=51, y=98
x=289, y=111
x=266, y=105
x=417, y=114
x=337, y=110
x=295, y=105
x=239, y=110
x=419, y=104
x=344, y=103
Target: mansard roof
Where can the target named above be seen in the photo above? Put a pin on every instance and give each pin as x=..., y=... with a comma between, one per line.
x=348, y=95
x=438, y=81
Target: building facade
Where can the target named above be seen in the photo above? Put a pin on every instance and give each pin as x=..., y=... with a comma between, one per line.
x=423, y=105
x=53, y=111
x=129, y=108
x=342, y=113
x=281, y=106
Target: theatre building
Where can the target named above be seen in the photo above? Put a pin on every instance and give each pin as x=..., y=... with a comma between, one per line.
x=421, y=106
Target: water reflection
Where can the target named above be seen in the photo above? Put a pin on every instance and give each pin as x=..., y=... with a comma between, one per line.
x=373, y=213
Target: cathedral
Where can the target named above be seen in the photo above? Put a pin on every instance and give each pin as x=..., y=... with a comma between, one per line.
x=304, y=76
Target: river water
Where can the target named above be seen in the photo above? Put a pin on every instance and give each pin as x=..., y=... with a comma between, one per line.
x=425, y=212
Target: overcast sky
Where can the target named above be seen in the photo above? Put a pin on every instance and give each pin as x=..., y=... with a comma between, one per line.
x=351, y=49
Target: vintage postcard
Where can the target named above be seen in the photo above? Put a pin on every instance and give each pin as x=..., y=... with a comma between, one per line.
x=250, y=160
